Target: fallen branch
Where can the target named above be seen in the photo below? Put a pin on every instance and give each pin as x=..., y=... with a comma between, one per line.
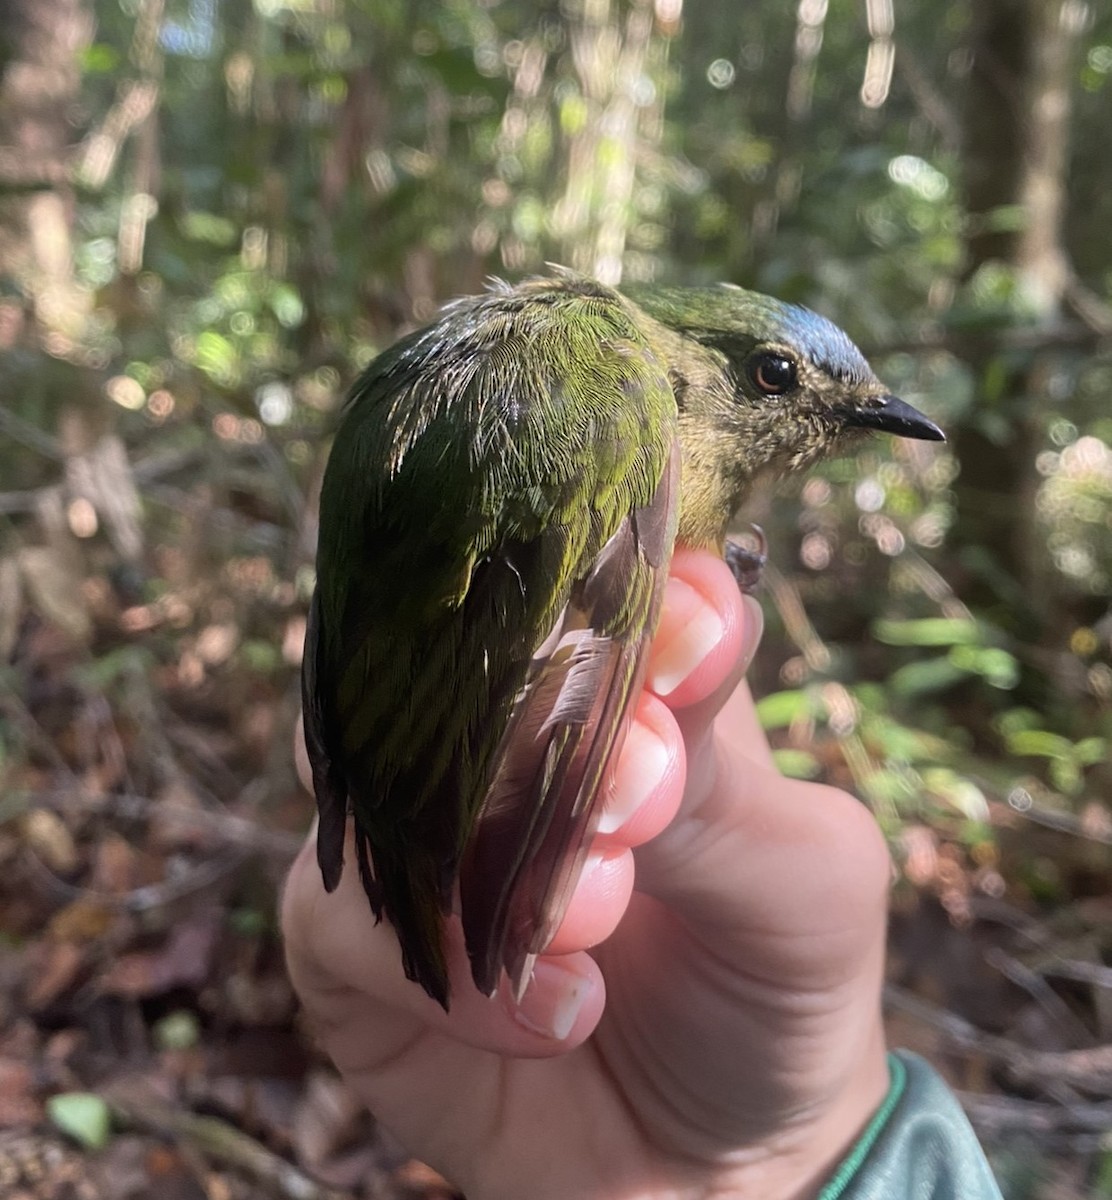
x=1075, y=1128
x=215, y=1140
x=1063, y=822
x=151, y=897
x=1033, y=983
x=1089, y=1070
x=224, y=826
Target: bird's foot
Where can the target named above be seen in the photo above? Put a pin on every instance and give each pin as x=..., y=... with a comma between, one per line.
x=746, y=562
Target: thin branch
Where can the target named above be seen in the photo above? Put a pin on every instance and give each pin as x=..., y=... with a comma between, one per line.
x=1073, y=1129
x=95, y=157
x=1061, y=335
x=796, y=622
x=934, y=585
x=14, y=708
x=263, y=534
x=1063, y=822
x=1088, y=1070
x=1081, y=972
x=19, y=502
x=932, y=104
x=1094, y=310
x=149, y=898
x=216, y=1140
x=28, y=435
x=228, y=828
x=1033, y=983
x=22, y=172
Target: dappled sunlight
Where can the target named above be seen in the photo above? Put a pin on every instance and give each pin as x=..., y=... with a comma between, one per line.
x=215, y=216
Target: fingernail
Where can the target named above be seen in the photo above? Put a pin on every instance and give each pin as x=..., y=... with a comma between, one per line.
x=754, y=627
x=641, y=767
x=552, y=1000
x=677, y=658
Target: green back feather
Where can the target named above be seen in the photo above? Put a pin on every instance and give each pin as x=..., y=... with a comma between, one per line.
x=479, y=470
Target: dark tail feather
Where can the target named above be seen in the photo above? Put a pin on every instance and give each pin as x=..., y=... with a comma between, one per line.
x=328, y=783
x=412, y=882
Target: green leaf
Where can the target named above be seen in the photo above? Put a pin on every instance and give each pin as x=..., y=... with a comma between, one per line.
x=998, y=667
x=1016, y=720
x=261, y=656
x=1090, y=751
x=782, y=708
x=796, y=764
x=209, y=227
x=897, y=741
x=1006, y=218
x=177, y=1031
x=122, y=663
x=573, y=114
x=99, y=59
x=286, y=305
x=84, y=1116
x=885, y=786
x=248, y=922
x=216, y=356
x=920, y=678
x=962, y=794
x=1040, y=743
x=1065, y=776
x=931, y=631
x=1104, y=1175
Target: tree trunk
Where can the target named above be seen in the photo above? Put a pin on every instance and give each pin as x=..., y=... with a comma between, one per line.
x=612, y=58
x=39, y=84
x=1016, y=120
x=53, y=384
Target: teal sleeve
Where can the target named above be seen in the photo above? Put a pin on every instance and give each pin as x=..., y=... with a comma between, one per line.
x=919, y=1145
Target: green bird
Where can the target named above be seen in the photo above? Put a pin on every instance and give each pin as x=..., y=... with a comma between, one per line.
x=497, y=519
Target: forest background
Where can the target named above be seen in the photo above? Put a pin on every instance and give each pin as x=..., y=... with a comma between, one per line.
x=212, y=214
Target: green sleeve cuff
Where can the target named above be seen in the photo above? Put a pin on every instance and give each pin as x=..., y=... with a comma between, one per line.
x=919, y=1144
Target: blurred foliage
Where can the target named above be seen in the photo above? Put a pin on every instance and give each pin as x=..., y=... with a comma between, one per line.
x=264, y=195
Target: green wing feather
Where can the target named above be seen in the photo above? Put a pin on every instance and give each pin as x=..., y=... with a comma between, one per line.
x=497, y=518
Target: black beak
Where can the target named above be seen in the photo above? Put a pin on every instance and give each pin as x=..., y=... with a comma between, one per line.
x=890, y=414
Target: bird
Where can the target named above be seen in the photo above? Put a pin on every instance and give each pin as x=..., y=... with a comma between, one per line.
x=497, y=517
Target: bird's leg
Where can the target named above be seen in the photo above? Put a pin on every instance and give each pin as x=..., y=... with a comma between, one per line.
x=747, y=563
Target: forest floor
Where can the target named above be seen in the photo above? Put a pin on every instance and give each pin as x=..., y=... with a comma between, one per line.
x=150, y=1044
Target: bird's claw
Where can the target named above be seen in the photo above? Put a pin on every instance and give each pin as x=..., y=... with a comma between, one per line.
x=746, y=563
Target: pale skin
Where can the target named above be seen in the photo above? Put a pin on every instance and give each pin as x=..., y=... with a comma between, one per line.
x=723, y=1041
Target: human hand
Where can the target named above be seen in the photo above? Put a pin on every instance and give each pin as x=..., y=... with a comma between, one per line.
x=724, y=1041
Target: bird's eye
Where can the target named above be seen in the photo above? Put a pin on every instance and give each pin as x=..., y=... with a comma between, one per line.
x=772, y=374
